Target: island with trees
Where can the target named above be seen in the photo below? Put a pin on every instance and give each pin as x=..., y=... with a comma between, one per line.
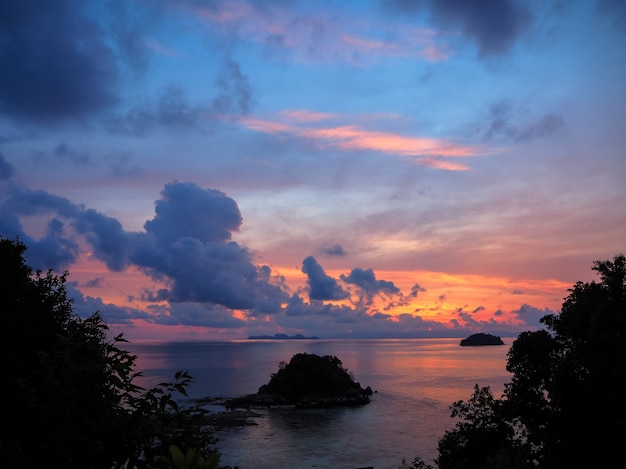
x=308, y=381
x=481, y=339
x=282, y=337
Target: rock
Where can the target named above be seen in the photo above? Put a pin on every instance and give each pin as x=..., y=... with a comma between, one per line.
x=482, y=339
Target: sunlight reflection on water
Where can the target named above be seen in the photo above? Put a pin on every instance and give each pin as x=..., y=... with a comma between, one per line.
x=416, y=380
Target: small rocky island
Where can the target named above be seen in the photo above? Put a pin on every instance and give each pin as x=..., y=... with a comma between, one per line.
x=482, y=339
x=307, y=381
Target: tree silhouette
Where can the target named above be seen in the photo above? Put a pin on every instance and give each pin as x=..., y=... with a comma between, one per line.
x=564, y=406
x=68, y=392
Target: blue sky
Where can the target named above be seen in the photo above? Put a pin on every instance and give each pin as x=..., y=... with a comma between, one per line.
x=215, y=169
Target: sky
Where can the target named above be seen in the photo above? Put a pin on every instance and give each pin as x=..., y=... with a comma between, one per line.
x=392, y=168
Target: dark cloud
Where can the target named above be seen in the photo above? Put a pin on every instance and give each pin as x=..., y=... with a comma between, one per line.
x=416, y=289
x=235, y=94
x=173, y=110
x=336, y=250
x=128, y=33
x=55, y=249
x=616, y=10
x=467, y=318
x=530, y=315
x=94, y=282
x=197, y=314
x=111, y=244
x=494, y=25
x=64, y=152
x=297, y=307
x=55, y=61
x=505, y=120
x=186, y=210
x=547, y=125
x=321, y=286
x=6, y=169
x=369, y=286
x=186, y=245
x=85, y=306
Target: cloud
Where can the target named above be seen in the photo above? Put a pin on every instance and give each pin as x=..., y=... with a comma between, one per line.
x=298, y=307
x=616, y=10
x=416, y=289
x=55, y=62
x=186, y=245
x=546, y=126
x=235, y=92
x=85, y=306
x=64, y=152
x=494, y=25
x=336, y=250
x=187, y=210
x=129, y=36
x=234, y=97
x=203, y=278
x=287, y=33
x=530, y=316
x=369, y=286
x=426, y=151
x=6, y=169
x=321, y=286
x=196, y=314
x=506, y=120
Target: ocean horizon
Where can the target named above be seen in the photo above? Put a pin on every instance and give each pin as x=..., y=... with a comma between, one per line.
x=415, y=382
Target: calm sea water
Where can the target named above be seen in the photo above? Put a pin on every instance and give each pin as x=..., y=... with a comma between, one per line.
x=416, y=381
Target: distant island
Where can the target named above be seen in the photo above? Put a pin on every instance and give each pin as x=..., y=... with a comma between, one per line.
x=482, y=339
x=281, y=337
x=307, y=381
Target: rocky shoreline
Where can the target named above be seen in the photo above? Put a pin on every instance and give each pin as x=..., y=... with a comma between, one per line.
x=352, y=397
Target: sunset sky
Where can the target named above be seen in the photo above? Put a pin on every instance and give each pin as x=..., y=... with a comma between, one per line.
x=392, y=168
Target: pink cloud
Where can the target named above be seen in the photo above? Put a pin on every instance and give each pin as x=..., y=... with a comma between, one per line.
x=322, y=35
x=427, y=151
x=303, y=115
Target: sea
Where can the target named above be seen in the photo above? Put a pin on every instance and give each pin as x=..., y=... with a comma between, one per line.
x=415, y=382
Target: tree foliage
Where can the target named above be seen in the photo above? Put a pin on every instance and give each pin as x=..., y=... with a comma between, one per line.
x=69, y=394
x=564, y=406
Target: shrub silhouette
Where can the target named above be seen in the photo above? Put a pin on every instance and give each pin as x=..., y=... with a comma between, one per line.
x=564, y=406
x=71, y=390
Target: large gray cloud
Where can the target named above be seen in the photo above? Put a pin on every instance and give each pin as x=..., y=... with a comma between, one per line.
x=187, y=245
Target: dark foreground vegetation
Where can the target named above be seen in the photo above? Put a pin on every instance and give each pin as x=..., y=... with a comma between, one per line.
x=308, y=381
x=564, y=406
x=68, y=394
